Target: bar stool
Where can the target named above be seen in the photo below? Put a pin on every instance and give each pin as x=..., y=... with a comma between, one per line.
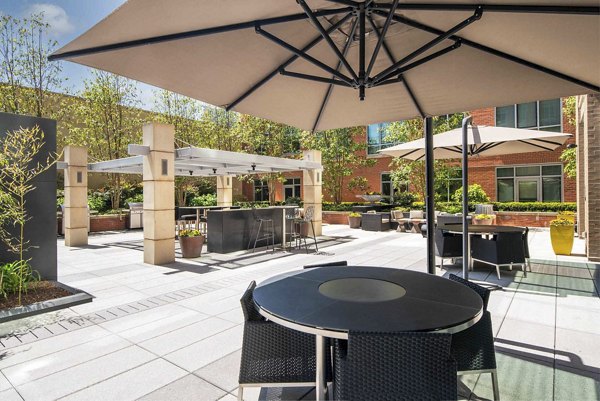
x=292, y=234
x=300, y=223
x=264, y=232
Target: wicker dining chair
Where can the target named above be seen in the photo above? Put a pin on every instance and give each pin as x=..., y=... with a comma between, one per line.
x=273, y=355
x=303, y=226
x=394, y=366
x=473, y=348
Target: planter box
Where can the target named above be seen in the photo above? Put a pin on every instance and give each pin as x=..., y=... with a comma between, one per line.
x=79, y=297
x=526, y=219
x=335, y=217
x=109, y=223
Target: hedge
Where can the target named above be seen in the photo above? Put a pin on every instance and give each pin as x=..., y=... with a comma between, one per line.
x=454, y=207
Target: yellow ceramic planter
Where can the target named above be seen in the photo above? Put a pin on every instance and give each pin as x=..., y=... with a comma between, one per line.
x=562, y=239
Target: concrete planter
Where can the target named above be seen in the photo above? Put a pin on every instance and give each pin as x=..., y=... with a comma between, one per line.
x=191, y=247
x=354, y=221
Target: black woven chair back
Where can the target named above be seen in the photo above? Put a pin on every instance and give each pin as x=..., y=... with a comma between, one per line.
x=483, y=292
x=248, y=305
x=327, y=264
x=395, y=366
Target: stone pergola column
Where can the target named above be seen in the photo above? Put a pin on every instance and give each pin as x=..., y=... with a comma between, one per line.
x=588, y=124
x=225, y=190
x=75, y=213
x=312, y=181
x=159, y=194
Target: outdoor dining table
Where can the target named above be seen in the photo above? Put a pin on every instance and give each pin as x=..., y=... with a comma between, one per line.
x=481, y=229
x=329, y=302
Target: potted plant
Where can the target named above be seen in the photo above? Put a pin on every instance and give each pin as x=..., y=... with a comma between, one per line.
x=567, y=215
x=483, y=219
x=191, y=242
x=562, y=233
x=354, y=220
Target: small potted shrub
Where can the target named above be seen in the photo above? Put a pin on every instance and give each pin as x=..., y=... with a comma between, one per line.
x=354, y=220
x=191, y=242
x=483, y=219
x=562, y=234
x=567, y=215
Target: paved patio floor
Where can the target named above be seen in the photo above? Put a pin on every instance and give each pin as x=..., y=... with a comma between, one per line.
x=174, y=332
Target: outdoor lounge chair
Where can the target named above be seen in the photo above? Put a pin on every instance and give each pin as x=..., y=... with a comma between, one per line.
x=376, y=221
x=447, y=245
x=394, y=366
x=473, y=348
x=273, y=355
x=503, y=249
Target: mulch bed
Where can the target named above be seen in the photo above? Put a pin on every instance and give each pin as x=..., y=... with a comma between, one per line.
x=37, y=292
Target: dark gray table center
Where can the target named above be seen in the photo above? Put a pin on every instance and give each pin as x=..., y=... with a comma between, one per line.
x=363, y=298
x=359, y=289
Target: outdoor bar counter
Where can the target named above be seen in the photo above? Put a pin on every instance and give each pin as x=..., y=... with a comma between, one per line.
x=231, y=230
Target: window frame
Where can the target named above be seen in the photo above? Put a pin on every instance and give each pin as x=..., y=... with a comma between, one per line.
x=265, y=184
x=294, y=186
x=537, y=115
x=540, y=177
x=381, y=144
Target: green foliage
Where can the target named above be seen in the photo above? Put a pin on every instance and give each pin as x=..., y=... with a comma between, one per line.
x=535, y=206
x=405, y=198
x=358, y=184
x=341, y=207
x=354, y=214
x=475, y=192
x=294, y=200
x=249, y=205
x=97, y=202
x=561, y=223
x=137, y=198
x=417, y=206
x=451, y=207
x=342, y=152
x=204, y=200
x=569, y=157
x=569, y=108
x=483, y=216
x=190, y=233
x=15, y=277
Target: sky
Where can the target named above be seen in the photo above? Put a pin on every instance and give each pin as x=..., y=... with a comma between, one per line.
x=68, y=20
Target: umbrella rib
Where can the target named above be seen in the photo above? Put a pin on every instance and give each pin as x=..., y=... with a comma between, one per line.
x=289, y=61
x=191, y=34
x=502, y=8
x=409, y=153
x=381, y=36
x=495, y=52
x=327, y=38
x=313, y=78
x=451, y=149
x=536, y=145
x=546, y=141
x=390, y=56
x=330, y=88
x=303, y=55
x=443, y=36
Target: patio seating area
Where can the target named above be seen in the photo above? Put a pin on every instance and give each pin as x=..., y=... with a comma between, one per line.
x=175, y=332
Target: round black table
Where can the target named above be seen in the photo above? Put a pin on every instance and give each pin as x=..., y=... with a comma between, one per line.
x=331, y=301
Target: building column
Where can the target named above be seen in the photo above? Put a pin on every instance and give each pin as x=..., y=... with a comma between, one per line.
x=75, y=213
x=312, y=181
x=580, y=113
x=159, y=194
x=225, y=190
x=588, y=111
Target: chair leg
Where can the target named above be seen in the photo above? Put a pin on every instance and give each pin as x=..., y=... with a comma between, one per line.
x=257, y=234
x=314, y=236
x=250, y=236
x=442, y=263
x=498, y=271
x=240, y=393
x=495, y=387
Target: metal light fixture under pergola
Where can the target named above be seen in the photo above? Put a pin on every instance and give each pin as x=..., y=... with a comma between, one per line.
x=202, y=162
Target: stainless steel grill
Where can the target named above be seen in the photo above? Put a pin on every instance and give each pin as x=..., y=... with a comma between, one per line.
x=136, y=215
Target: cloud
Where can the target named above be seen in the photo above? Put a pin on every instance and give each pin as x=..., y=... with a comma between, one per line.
x=54, y=15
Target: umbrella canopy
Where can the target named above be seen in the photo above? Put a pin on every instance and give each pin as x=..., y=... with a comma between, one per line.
x=482, y=140
x=321, y=64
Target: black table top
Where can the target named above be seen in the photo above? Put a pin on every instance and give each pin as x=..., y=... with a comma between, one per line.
x=483, y=228
x=373, y=299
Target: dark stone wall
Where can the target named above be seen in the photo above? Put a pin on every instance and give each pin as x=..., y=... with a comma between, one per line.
x=41, y=202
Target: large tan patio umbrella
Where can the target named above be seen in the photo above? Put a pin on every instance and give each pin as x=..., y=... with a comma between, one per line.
x=320, y=64
x=477, y=141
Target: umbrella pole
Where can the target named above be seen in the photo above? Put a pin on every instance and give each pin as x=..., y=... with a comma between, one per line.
x=429, y=196
x=465, y=196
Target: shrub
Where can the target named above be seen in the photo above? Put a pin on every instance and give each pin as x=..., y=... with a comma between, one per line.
x=418, y=206
x=535, y=206
x=137, y=198
x=484, y=216
x=190, y=233
x=355, y=214
x=12, y=273
x=475, y=192
x=561, y=223
x=204, y=200
x=341, y=207
x=405, y=198
x=248, y=205
x=97, y=202
x=294, y=200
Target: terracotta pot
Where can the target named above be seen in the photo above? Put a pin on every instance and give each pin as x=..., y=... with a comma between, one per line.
x=354, y=222
x=562, y=238
x=191, y=247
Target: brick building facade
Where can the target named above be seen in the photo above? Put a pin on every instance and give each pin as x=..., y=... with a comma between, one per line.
x=482, y=170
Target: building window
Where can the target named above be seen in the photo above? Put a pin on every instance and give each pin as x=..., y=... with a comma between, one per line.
x=545, y=115
x=376, y=134
x=291, y=188
x=532, y=183
x=447, y=186
x=387, y=186
x=261, y=190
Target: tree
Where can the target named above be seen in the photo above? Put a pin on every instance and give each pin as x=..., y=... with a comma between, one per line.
x=404, y=170
x=569, y=155
x=109, y=121
x=27, y=74
x=18, y=149
x=341, y=154
x=218, y=129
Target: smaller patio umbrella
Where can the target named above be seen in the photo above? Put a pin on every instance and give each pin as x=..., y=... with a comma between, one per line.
x=471, y=140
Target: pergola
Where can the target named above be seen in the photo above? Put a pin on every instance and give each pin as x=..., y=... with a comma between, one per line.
x=203, y=162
